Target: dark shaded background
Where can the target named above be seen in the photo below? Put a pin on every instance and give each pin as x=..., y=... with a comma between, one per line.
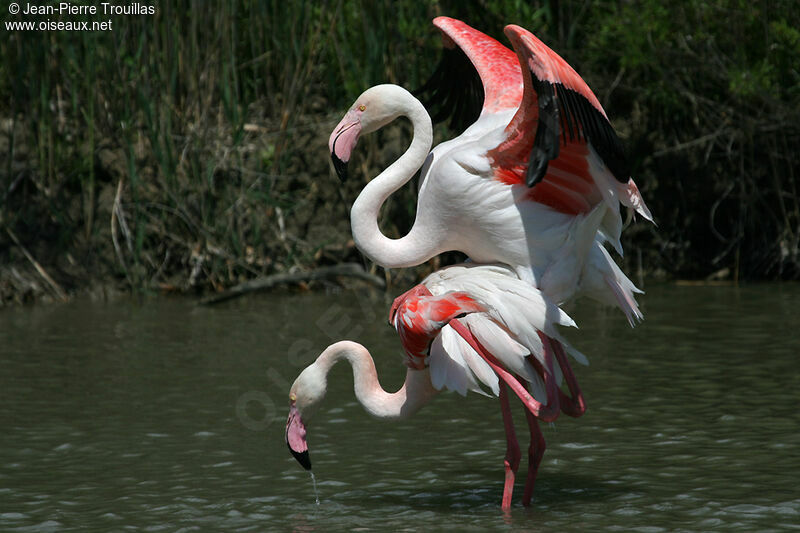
x=187, y=150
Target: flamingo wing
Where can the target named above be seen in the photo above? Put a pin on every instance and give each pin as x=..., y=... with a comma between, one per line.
x=476, y=75
x=566, y=106
x=513, y=316
x=560, y=142
x=419, y=316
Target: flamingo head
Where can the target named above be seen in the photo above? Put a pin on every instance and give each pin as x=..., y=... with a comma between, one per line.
x=304, y=397
x=376, y=107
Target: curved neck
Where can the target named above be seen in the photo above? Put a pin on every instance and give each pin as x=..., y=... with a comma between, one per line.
x=419, y=245
x=416, y=391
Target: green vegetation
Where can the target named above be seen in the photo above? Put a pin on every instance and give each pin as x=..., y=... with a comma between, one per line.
x=188, y=149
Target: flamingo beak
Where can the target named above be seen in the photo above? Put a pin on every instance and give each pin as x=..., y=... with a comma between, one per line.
x=296, y=438
x=342, y=142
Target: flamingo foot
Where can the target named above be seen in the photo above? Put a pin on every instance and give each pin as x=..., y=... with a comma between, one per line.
x=535, y=454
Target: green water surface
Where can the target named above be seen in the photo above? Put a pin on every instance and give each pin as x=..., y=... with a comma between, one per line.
x=165, y=416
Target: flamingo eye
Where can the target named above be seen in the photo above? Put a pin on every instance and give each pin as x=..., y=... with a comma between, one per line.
x=362, y=107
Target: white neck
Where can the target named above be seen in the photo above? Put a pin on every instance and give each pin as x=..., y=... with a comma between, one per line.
x=421, y=243
x=416, y=391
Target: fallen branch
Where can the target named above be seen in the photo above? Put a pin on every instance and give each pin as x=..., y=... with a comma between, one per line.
x=351, y=270
x=691, y=144
x=42, y=272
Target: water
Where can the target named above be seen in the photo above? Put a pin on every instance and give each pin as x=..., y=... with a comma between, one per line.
x=165, y=416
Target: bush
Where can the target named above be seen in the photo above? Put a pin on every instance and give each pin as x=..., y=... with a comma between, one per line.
x=188, y=148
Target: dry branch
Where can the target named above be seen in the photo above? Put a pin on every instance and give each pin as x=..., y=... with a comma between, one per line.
x=351, y=270
x=42, y=272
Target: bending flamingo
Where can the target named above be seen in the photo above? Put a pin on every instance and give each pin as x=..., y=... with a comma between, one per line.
x=464, y=327
x=535, y=182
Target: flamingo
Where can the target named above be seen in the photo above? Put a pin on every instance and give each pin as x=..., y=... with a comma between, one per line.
x=464, y=328
x=535, y=182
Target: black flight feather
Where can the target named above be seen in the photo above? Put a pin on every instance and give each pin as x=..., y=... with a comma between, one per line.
x=566, y=113
x=545, y=144
x=595, y=128
x=453, y=91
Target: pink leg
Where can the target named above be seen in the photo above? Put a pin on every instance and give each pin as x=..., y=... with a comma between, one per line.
x=513, y=455
x=535, y=454
x=576, y=405
x=534, y=409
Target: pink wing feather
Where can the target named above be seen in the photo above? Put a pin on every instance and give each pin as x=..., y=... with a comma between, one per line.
x=497, y=66
x=418, y=316
x=560, y=142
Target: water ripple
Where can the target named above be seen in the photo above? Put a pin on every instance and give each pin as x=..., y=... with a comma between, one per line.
x=122, y=417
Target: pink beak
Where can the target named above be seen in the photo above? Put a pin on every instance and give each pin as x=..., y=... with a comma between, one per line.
x=342, y=141
x=296, y=437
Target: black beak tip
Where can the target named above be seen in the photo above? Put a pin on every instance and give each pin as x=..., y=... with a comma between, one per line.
x=340, y=167
x=302, y=458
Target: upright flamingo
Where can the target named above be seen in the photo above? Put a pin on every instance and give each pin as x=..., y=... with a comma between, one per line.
x=535, y=182
x=464, y=327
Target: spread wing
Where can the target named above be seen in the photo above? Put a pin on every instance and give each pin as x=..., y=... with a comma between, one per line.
x=560, y=142
x=475, y=75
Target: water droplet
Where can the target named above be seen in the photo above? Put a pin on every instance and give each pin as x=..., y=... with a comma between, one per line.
x=314, y=482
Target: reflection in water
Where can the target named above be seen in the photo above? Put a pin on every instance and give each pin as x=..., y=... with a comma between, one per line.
x=164, y=415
